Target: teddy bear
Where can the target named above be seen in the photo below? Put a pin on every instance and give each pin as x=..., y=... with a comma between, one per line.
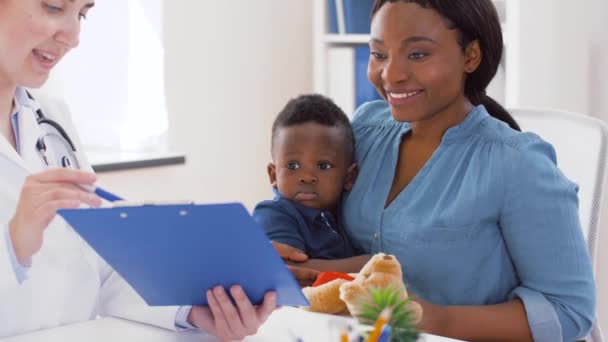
x=380, y=271
x=337, y=293
x=324, y=297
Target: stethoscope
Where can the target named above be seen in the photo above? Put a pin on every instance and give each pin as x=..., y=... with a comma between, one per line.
x=68, y=158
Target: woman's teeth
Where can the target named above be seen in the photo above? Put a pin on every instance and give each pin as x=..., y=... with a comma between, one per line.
x=404, y=95
x=47, y=57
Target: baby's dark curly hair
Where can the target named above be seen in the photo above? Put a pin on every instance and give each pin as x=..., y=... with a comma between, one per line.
x=315, y=108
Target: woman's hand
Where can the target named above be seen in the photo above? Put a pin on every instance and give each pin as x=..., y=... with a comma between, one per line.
x=433, y=317
x=227, y=321
x=41, y=196
x=292, y=256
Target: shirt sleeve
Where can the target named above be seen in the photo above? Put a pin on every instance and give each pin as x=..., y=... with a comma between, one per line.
x=279, y=225
x=542, y=231
x=19, y=271
x=119, y=299
x=181, y=319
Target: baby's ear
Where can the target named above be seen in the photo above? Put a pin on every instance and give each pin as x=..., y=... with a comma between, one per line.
x=351, y=175
x=272, y=174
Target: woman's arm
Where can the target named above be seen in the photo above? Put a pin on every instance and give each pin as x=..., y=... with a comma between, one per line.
x=539, y=222
x=305, y=270
x=504, y=322
x=346, y=265
x=297, y=258
x=469, y=323
x=540, y=226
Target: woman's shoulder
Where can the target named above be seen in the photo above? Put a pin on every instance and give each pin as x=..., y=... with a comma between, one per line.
x=514, y=143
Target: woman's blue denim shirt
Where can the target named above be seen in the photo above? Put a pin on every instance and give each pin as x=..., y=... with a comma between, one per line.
x=488, y=218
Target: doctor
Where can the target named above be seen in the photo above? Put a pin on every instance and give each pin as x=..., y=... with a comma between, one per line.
x=48, y=275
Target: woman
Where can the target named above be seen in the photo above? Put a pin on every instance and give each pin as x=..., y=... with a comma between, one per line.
x=48, y=276
x=483, y=222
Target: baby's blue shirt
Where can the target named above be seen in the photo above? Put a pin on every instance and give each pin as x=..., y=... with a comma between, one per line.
x=313, y=231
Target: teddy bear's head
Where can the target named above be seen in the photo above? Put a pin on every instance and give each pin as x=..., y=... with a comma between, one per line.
x=380, y=270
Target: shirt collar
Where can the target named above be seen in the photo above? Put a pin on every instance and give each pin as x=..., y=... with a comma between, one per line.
x=19, y=101
x=22, y=99
x=470, y=121
x=310, y=213
x=15, y=126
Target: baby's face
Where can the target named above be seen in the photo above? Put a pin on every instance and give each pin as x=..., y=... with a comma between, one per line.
x=310, y=164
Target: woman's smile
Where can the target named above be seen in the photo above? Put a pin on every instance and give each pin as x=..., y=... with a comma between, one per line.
x=45, y=59
x=403, y=97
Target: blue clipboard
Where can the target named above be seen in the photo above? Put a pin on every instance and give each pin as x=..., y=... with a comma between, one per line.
x=171, y=254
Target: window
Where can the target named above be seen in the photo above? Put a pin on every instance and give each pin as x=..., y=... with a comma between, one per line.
x=114, y=81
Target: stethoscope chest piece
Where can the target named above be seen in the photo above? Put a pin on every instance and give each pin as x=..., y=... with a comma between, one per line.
x=54, y=144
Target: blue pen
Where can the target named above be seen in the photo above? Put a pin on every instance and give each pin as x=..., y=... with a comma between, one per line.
x=108, y=196
x=385, y=335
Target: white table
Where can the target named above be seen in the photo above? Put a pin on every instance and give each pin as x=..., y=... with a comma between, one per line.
x=283, y=325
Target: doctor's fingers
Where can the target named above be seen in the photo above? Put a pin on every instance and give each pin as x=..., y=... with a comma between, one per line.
x=36, y=221
x=46, y=213
x=267, y=307
x=32, y=190
x=64, y=175
x=227, y=320
x=251, y=316
x=66, y=192
x=35, y=188
x=38, y=205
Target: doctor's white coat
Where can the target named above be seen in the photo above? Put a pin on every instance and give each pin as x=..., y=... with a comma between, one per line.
x=67, y=282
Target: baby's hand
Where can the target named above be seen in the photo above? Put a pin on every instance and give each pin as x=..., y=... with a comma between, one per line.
x=289, y=253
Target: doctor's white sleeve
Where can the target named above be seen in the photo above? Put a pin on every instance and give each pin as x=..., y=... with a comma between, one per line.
x=118, y=299
x=12, y=273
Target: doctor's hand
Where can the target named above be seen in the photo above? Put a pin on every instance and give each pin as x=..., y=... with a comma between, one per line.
x=227, y=321
x=292, y=256
x=41, y=196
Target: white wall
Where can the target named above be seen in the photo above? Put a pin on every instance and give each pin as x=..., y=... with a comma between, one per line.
x=131, y=75
x=598, y=100
x=548, y=54
x=230, y=67
x=598, y=66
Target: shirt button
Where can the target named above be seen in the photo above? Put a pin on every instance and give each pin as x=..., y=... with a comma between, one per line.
x=375, y=236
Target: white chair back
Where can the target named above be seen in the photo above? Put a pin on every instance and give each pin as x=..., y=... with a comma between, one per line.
x=581, y=145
